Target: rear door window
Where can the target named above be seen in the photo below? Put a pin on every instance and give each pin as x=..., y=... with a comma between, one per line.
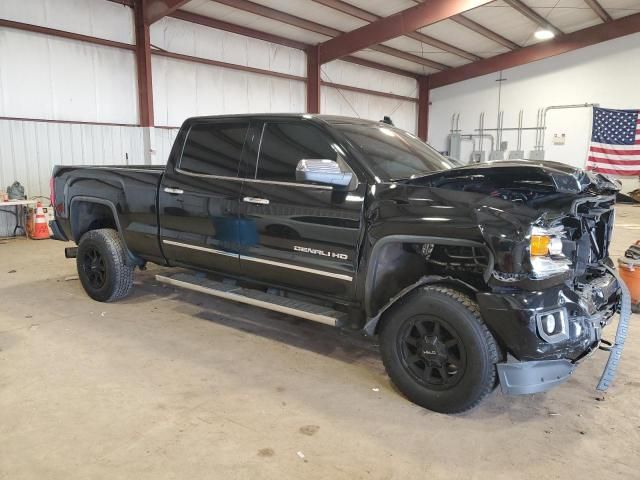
x=214, y=148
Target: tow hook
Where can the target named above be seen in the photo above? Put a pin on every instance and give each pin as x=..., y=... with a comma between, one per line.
x=605, y=345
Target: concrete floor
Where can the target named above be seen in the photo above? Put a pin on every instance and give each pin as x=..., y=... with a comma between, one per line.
x=169, y=384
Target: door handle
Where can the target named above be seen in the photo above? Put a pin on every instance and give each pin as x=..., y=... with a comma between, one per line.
x=175, y=191
x=259, y=201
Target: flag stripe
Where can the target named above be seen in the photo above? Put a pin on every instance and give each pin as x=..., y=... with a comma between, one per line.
x=623, y=169
x=615, y=151
x=614, y=161
x=614, y=146
x=615, y=172
x=609, y=156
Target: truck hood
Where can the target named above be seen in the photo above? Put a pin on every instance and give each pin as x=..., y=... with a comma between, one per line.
x=503, y=196
x=520, y=180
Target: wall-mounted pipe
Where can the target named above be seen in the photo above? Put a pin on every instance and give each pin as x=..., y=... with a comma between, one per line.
x=480, y=137
x=560, y=107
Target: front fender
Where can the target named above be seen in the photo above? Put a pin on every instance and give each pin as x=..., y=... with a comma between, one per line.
x=371, y=327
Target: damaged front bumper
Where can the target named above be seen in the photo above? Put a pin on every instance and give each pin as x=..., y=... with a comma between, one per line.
x=519, y=378
x=542, y=364
x=621, y=335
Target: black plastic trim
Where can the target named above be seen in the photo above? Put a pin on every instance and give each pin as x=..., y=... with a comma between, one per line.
x=131, y=258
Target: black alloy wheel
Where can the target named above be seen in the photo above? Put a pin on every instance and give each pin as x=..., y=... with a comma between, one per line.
x=437, y=349
x=432, y=352
x=102, y=265
x=94, y=267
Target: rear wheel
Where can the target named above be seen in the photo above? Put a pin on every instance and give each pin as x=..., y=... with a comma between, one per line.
x=101, y=265
x=438, y=351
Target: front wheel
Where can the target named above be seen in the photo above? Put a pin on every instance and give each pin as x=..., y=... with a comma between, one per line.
x=102, y=268
x=438, y=351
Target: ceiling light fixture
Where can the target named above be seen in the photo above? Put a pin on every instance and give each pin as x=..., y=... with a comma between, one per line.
x=544, y=34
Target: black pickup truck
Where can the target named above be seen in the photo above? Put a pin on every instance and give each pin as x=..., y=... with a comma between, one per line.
x=469, y=276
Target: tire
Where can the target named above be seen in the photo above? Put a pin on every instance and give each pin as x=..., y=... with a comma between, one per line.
x=101, y=265
x=448, y=368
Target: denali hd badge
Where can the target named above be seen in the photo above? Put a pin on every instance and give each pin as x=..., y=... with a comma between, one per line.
x=315, y=251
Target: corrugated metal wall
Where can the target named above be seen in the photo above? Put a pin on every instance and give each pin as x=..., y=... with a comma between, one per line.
x=30, y=149
x=164, y=138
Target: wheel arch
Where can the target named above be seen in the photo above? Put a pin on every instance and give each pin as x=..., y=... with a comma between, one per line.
x=372, y=282
x=91, y=213
x=372, y=326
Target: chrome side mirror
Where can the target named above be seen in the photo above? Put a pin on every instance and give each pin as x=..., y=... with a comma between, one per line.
x=324, y=172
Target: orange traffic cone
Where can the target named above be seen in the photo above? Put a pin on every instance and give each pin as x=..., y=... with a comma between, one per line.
x=40, y=227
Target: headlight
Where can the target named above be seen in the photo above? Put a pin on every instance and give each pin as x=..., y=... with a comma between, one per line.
x=545, y=250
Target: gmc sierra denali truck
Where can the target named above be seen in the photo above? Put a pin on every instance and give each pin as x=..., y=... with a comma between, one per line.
x=470, y=277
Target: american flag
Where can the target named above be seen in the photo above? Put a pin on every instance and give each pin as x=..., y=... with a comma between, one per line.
x=615, y=142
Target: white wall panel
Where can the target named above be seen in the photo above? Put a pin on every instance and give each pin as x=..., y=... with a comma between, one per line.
x=29, y=150
x=183, y=89
x=372, y=107
x=96, y=18
x=606, y=73
x=347, y=73
x=60, y=79
x=164, y=138
x=199, y=41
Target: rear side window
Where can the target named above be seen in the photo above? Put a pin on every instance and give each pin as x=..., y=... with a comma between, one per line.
x=283, y=145
x=214, y=148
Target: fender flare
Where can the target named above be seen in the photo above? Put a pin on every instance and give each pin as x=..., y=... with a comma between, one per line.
x=131, y=259
x=377, y=248
x=372, y=324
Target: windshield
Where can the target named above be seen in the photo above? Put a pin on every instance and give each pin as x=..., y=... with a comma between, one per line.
x=394, y=154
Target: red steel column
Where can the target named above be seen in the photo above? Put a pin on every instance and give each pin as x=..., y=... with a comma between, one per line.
x=313, y=80
x=423, y=107
x=143, y=64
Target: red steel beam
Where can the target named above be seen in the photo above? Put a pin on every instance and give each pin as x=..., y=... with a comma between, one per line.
x=269, y=37
x=379, y=66
x=143, y=65
x=394, y=26
x=367, y=16
x=597, y=8
x=62, y=34
x=304, y=24
x=533, y=16
x=238, y=29
x=424, y=90
x=232, y=66
x=561, y=44
x=66, y=122
x=485, y=32
x=313, y=80
x=482, y=30
x=366, y=91
x=126, y=3
x=157, y=9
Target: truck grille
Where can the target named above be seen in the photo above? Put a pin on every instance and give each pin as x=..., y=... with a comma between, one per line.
x=596, y=215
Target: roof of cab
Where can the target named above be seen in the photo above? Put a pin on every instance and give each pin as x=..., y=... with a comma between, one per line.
x=332, y=119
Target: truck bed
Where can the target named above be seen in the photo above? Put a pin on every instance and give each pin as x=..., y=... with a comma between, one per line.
x=126, y=193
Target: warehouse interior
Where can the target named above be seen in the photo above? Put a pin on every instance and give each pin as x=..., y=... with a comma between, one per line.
x=174, y=384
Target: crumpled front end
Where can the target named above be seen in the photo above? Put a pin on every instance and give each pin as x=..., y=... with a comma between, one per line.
x=549, y=332
x=550, y=315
